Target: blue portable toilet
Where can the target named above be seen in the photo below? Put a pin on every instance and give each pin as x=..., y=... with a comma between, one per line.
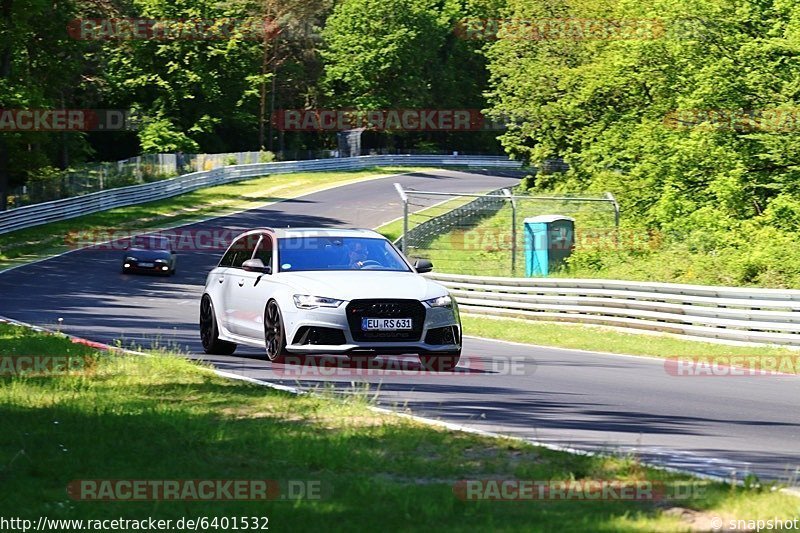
x=549, y=240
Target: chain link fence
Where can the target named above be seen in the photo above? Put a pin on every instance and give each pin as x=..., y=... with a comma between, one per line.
x=485, y=235
x=428, y=225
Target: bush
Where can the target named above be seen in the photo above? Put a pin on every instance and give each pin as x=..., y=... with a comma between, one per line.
x=783, y=212
x=528, y=183
x=265, y=156
x=160, y=135
x=45, y=184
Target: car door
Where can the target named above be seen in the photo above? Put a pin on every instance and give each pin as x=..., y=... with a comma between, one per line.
x=223, y=279
x=252, y=290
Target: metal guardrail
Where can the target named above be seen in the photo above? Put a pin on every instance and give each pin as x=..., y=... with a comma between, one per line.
x=34, y=215
x=766, y=316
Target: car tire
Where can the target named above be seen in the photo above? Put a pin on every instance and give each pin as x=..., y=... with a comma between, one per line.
x=444, y=362
x=274, y=333
x=209, y=331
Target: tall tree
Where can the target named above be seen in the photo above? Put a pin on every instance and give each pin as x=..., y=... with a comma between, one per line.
x=40, y=67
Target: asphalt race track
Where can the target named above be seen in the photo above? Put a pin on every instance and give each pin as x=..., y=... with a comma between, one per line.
x=710, y=425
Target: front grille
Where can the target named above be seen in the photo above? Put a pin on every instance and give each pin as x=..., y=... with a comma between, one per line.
x=318, y=335
x=413, y=309
x=445, y=335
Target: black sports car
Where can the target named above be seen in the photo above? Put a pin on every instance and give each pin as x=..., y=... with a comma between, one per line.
x=150, y=254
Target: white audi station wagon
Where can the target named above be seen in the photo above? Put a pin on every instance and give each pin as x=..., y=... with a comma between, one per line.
x=327, y=291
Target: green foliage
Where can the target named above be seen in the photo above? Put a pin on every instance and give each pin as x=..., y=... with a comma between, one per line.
x=160, y=135
x=722, y=187
x=381, y=53
x=266, y=156
x=215, y=95
x=190, y=86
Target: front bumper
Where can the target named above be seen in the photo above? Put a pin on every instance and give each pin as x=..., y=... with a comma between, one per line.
x=157, y=268
x=297, y=322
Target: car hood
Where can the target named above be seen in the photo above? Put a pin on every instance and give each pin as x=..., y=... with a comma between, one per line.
x=351, y=285
x=144, y=255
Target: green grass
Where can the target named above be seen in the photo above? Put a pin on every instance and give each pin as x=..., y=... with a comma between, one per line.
x=482, y=250
x=602, y=339
x=163, y=417
x=41, y=241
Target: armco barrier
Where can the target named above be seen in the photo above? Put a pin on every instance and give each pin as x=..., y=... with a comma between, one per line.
x=770, y=316
x=33, y=215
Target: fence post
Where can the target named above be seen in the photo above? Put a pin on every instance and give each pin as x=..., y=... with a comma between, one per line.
x=404, y=197
x=510, y=196
x=616, y=208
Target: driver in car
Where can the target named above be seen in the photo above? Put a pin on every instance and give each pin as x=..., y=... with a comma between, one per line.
x=357, y=254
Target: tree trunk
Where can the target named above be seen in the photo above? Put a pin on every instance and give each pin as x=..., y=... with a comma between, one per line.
x=262, y=105
x=5, y=73
x=3, y=174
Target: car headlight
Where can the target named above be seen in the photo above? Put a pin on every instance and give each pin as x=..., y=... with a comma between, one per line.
x=130, y=258
x=441, y=301
x=306, y=301
x=161, y=260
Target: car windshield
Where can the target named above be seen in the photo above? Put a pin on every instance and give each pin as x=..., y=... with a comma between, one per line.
x=150, y=243
x=338, y=253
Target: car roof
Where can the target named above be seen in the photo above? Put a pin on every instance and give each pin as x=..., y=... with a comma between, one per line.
x=284, y=233
x=151, y=240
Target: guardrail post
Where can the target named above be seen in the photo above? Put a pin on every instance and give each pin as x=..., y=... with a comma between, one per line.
x=404, y=197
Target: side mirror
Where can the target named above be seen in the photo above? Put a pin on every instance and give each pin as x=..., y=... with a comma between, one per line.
x=256, y=265
x=423, y=265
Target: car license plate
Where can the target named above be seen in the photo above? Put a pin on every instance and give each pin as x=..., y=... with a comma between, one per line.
x=146, y=265
x=385, y=324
